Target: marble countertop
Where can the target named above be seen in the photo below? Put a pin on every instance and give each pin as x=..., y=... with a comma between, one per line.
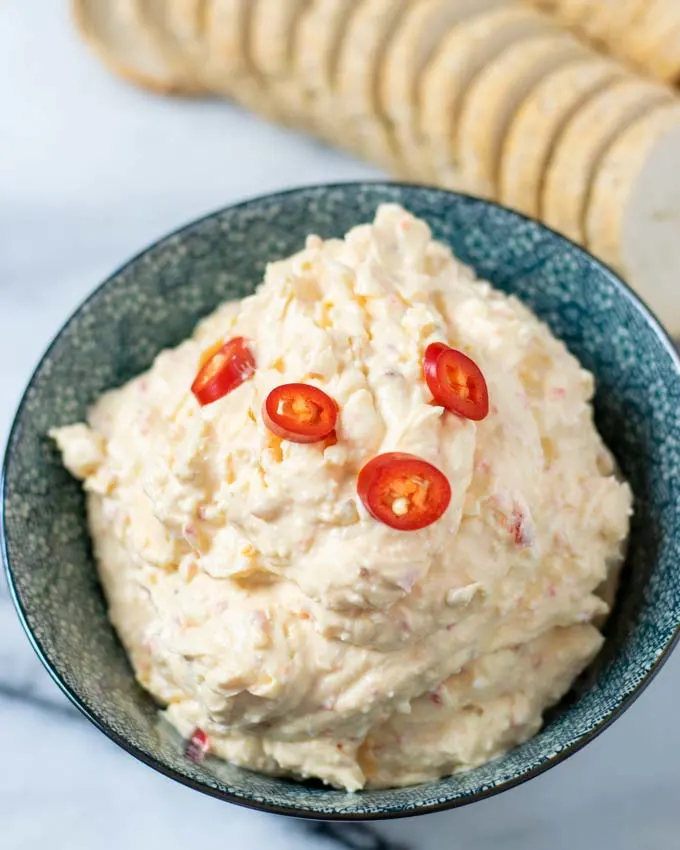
x=90, y=171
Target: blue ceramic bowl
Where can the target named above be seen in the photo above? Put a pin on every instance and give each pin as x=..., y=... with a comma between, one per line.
x=155, y=300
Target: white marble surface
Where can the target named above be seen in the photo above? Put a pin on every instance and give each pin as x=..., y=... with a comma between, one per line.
x=90, y=171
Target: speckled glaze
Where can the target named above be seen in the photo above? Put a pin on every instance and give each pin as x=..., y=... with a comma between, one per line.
x=155, y=300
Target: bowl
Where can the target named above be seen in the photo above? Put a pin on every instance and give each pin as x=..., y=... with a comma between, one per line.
x=155, y=300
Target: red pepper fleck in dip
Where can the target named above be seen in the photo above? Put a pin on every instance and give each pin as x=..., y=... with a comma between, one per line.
x=198, y=746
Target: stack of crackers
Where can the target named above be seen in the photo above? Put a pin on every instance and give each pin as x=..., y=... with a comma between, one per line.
x=527, y=103
x=645, y=33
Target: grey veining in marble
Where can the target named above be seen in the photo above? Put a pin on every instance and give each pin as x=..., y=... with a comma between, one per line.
x=90, y=171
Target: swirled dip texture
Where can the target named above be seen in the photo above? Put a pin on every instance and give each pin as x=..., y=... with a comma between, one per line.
x=257, y=598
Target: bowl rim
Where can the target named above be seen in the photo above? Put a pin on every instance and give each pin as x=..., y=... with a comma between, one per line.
x=290, y=810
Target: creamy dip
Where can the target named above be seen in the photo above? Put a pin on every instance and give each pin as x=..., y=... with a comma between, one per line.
x=258, y=599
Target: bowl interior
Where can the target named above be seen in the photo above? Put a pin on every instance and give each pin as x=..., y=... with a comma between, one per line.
x=154, y=302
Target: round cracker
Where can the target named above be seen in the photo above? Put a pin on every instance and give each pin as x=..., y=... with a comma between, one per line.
x=494, y=97
x=586, y=137
x=409, y=52
x=227, y=65
x=226, y=38
x=606, y=19
x=272, y=35
x=538, y=123
x=419, y=34
x=368, y=138
x=571, y=12
x=643, y=32
x=319, y=34
x=633, y=215
x=664, y=60
x=621, y=172
x=465, y=51
x=156, y=17
x=368, y=33
x=374, y=142
x=185, y=20
x=116, y=34
x=654, y=19
x=654, y=43
x=273, y=41
x=370, y=29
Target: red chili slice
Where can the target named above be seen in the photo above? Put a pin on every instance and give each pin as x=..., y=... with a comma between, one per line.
x=300, y=413
x=403, y=491
x=456, y=381
x=222, y=369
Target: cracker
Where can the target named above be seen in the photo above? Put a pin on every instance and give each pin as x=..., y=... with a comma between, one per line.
x=607, y=19
x=419, y=34
x=654, y=42
x=495, y=96
x=571, y=12
x=272, y=35
x=185, y=20
x=422, y=29
x=273, y=45
x=321, y=32
x=465, y=51
x=116, y=34
x=537, y=124
x=368, y=33
x=585, y=139
x=156, y=18
x=633, y=213
x=227, y=25
x=228, y=65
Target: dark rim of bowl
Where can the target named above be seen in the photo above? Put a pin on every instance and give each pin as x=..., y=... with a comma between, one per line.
x=308, y=814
